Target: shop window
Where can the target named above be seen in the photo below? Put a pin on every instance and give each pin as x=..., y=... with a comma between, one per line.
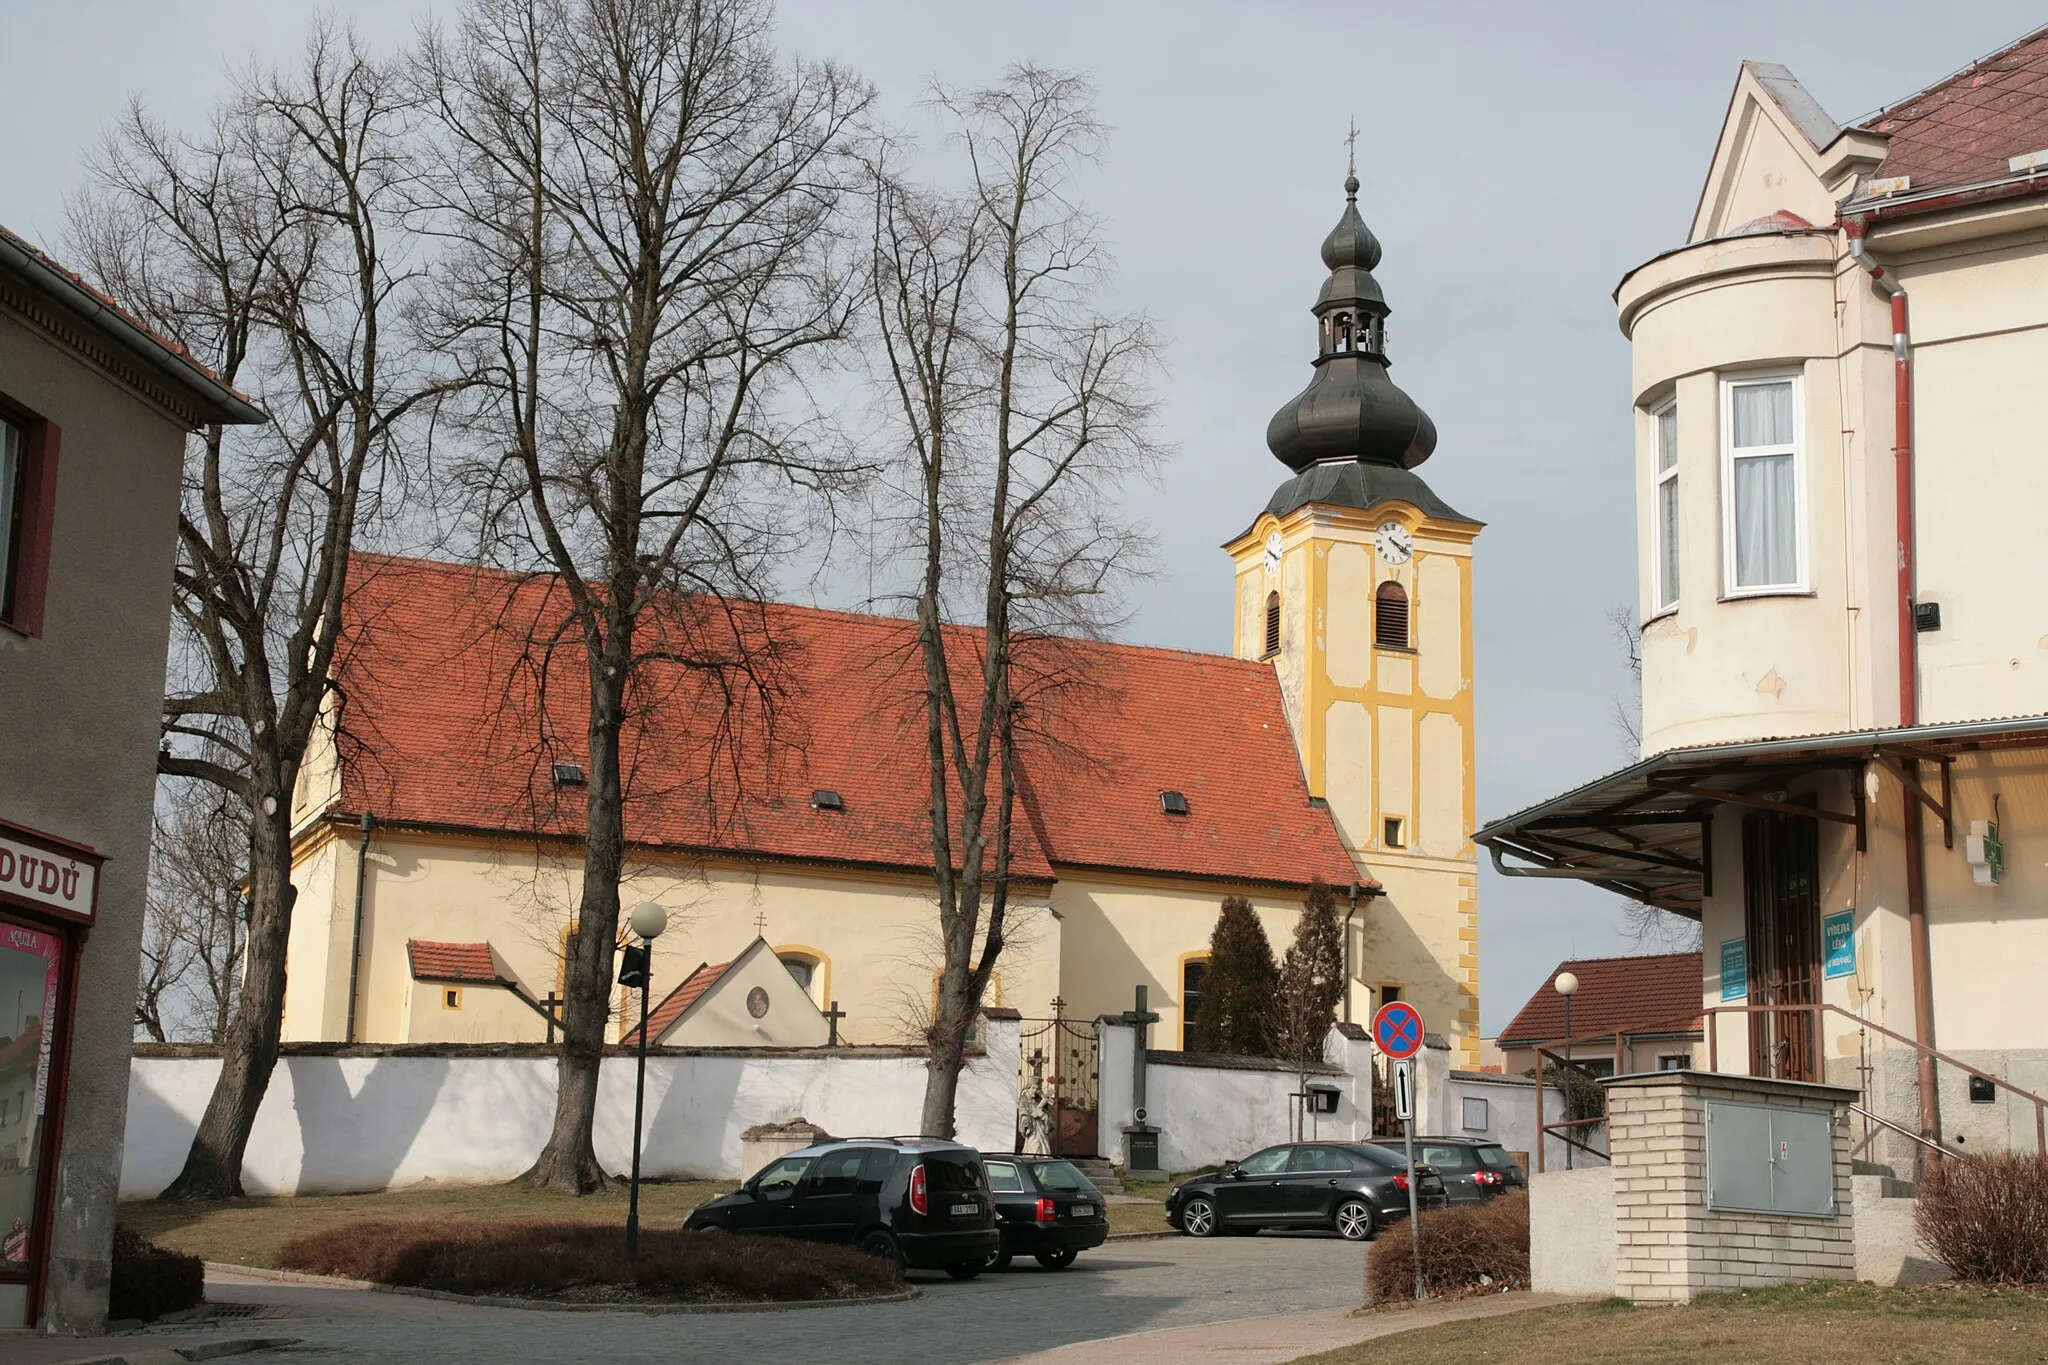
x=29, y=965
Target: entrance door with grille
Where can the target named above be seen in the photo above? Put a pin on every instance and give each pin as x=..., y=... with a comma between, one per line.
x=1057, y=1087
x=1780, y=876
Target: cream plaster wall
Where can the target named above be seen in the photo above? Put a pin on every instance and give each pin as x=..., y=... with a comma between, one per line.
x=872, y=938
x=721, y=1018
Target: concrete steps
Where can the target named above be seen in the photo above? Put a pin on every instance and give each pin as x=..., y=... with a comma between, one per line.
x=1100, y=1173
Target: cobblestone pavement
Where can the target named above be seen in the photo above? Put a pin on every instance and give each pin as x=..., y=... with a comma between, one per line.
x=1121, y=1288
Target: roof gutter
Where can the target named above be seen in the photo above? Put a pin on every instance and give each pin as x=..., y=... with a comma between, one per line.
x=216, y=399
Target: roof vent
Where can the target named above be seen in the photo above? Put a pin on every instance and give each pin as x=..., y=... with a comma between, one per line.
x=568, y=774
x=1173, y=803
x=825, y=799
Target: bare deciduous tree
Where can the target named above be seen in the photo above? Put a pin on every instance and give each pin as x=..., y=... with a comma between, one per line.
x=192, y=947
x=270, y=246
x=1017, y=405
x=1646, y=924
x=648, y=201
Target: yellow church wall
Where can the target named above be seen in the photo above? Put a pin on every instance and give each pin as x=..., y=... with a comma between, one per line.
x=1118, y=935
x=1347, y=764
x=873, y=937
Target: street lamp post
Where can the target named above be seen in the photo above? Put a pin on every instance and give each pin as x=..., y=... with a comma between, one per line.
x=1567, y=986
x=637, y=969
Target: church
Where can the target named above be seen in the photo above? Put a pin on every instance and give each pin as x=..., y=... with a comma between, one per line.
x=437, y=827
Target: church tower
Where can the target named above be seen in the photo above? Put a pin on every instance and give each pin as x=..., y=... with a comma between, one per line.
x=1356, y=582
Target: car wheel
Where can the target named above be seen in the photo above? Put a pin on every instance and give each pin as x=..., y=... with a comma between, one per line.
x=883, y=1246
x=996, y=1260
x=1198, y=1219
x=964, y=1270
x=1059, y=1258
x=1354, y=1221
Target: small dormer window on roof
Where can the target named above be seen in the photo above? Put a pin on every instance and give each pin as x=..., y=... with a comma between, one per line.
x=1173, y=803
x=569, y=774
x=826, y=799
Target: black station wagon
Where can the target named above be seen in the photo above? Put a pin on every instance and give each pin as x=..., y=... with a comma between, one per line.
x=1045, y=1209
x=920, y=1202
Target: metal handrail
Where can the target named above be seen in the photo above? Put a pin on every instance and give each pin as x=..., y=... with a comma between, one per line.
x=1902, y=1130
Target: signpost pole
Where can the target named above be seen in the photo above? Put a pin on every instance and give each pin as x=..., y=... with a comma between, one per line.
x=1407, y=1085
x=1397, y=1031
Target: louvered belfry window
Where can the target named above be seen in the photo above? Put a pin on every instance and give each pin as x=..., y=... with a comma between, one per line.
x=1272, y=624
x=1390, y=617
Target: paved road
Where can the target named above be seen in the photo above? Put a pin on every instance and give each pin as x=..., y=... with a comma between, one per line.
x=1124, y=1287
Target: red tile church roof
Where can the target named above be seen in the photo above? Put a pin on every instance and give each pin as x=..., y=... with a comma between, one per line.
x=663, y=1016
x=443, y=725
x=450, y=961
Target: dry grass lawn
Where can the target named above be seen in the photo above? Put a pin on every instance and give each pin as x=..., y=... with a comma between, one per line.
x=249, y=1231
x=1813, y=1325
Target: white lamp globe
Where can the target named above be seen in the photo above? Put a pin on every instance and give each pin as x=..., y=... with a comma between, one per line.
x=1566, y=983
x=649, y=919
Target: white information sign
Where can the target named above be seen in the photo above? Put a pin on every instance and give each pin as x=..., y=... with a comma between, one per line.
x=43, y=876
x=1404, y=1090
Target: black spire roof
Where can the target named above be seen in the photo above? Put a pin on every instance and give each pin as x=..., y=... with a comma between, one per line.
x=1351, y=410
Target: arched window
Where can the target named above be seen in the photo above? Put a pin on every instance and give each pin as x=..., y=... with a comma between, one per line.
x=1343, y=331
x=1390, y=617
x=1272, y=624
x=1192, y=970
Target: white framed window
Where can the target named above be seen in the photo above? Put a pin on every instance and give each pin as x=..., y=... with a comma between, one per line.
x=1664, y=509
x=1763, y=485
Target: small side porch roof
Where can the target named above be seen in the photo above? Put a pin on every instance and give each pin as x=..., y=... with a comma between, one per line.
x=1646, y=831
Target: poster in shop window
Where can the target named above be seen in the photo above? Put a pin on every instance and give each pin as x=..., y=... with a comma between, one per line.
x=29, y=960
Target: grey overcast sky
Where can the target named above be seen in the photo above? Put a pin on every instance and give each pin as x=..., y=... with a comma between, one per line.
x=1517, y=159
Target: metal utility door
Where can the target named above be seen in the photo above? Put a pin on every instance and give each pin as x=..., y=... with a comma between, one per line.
x=1767, y=1159
x=1780, y=879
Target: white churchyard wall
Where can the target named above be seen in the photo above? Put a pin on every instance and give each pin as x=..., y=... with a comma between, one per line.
x=352, y=1119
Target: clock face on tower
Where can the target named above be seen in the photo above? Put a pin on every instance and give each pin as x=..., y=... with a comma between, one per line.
x=1273, y=553
x=1394, y=543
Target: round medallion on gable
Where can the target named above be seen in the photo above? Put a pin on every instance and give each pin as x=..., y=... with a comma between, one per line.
x=757, y=1001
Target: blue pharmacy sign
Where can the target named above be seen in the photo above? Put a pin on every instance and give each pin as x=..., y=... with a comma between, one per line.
x=1735, y=969
x=1838, y=941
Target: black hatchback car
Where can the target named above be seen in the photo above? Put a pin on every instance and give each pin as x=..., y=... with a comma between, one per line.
x=1474, y=1170
x=1045, y=1209
x=1355, y=1188
x=921, y=1202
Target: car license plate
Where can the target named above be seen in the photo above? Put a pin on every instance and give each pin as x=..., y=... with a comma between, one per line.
x=1084, y=1210
x=959, y=1209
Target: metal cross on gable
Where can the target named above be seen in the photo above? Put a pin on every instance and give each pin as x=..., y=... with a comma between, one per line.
x=761, y=924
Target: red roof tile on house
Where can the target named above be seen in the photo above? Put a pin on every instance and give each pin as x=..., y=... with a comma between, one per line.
x=1654, y=993
x=663, y=1016
x=450, y=961
x=443, y=725
x=1962, y=129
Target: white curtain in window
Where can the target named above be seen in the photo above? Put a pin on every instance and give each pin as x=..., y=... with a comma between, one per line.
x=1667, y=542
x=1763, y=415
x=1766, y=537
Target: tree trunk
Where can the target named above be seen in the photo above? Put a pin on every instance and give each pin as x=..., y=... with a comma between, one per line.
x=569, y=1160
x=948, y=1052
x=213, y=1166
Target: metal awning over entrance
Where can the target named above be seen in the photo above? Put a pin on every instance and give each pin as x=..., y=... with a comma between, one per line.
x=1647, y=831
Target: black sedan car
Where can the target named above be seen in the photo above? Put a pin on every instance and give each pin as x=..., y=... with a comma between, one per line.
x=1474, y=1170
x=1355, y=1188
x=1045, y=1209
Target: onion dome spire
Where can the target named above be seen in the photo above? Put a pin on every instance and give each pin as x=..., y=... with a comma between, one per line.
x=1350, y=409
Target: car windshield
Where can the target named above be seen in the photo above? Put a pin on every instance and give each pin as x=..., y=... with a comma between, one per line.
x=1386, y=1156
x=1058, y=1175
x=1003, y=1178
x=1266, y=1162
x=1496, y=1157
x=952, y=1173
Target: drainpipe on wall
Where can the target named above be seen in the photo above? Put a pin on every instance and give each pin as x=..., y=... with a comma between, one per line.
x=1909, y=671
x=355, y=948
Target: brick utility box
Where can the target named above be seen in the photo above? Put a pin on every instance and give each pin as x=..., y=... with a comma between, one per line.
x=1727, y=1182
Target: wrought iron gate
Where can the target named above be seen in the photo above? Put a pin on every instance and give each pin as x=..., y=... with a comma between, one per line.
x=1057, y=1086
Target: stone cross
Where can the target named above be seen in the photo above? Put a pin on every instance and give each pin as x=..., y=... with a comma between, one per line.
x=1141, y=1020
x=832, y=1018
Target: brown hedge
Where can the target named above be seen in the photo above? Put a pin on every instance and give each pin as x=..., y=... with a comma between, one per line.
x=1466, y=1249
x=1986, y=1217
x=584, y=1261
x=147, y=1281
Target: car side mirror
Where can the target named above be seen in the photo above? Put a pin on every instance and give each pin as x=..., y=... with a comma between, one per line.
x=1233, y=1171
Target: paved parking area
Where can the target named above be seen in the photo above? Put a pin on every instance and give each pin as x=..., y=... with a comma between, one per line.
x=1122, y=1288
